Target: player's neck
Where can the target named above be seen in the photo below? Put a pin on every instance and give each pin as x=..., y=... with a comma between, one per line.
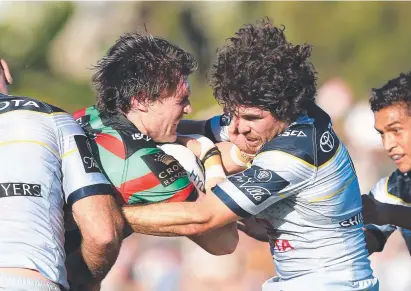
x=135, y=119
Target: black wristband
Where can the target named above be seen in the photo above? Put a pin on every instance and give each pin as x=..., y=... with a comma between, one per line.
x=211, y=152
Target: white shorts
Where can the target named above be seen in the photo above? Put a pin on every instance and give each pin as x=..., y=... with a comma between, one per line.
x=9, y=282
x=319, y=284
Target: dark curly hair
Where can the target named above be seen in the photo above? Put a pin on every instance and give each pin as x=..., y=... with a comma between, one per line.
x=140, y=66
x=259, y=68
x=395, y=91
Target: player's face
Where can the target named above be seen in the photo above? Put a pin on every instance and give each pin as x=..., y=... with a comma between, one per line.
x=252, y=127
x=394, y=124
x=167, y=113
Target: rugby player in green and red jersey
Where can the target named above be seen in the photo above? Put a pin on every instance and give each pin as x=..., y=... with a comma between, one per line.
x=142, y=94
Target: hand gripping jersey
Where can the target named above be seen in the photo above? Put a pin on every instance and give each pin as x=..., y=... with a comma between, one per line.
x=394, y=189
x=45, y=163
x=140, y=170
x=193, y=166
x=303, y=186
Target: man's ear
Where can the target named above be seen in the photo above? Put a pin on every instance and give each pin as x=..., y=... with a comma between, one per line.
x=139, y=105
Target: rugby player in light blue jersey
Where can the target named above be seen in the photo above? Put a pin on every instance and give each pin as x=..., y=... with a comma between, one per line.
x=44, y=154
x=388, y=203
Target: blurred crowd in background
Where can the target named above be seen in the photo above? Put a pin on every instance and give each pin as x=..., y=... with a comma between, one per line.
x=51, y=48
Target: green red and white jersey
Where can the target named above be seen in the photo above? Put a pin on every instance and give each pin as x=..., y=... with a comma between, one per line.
x=139, y=169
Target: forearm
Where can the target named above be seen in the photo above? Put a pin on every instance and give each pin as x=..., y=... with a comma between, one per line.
x=372, y=242
x=100, y=258
x=398, y=215
x=171, y=219
x=221, y=241
x=89, y=265
x=376, y=236
x=233, y=160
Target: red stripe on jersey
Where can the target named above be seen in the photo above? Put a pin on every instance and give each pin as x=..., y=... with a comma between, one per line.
x=182, y=195
x=79, y=113
x=112, y=144
x=143, y=183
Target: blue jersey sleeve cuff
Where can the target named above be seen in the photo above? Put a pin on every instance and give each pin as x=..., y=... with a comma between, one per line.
x=229, y=202
x=98, y=189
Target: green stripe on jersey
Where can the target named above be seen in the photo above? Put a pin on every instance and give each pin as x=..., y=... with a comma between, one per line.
x=112, y=165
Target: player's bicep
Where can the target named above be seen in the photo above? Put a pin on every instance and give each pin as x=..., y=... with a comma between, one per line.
x=98, y=217
x=273, y=176
x=251, y=191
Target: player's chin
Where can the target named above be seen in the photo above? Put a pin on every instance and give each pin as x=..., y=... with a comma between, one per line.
x=404, y=167
x=252, y=147
x=249, y=150
x=172, y=137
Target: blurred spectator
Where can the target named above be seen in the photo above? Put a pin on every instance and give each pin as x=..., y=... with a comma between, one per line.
x=364, y=144
x=393, y=265
x=159, y=265
x=359, y=128
x=335, y=97
x=149, y=263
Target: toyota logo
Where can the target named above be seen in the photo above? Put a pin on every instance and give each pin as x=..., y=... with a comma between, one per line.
x=327, y=142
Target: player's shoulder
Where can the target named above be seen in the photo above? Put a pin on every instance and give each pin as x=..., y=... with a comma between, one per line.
x=380, y=189
x=393, y=183
x=10, y=103
x=310, y=138
x=394, y=188
x=386, y=187
x=296, y=141
x=216, y=128
x=115, y=133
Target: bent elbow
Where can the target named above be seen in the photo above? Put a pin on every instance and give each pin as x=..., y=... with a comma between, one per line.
x=201, y=223
x=226, y=248
x=195, y=229
x=231, y=247
x=106, y=239
x=109, y=237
